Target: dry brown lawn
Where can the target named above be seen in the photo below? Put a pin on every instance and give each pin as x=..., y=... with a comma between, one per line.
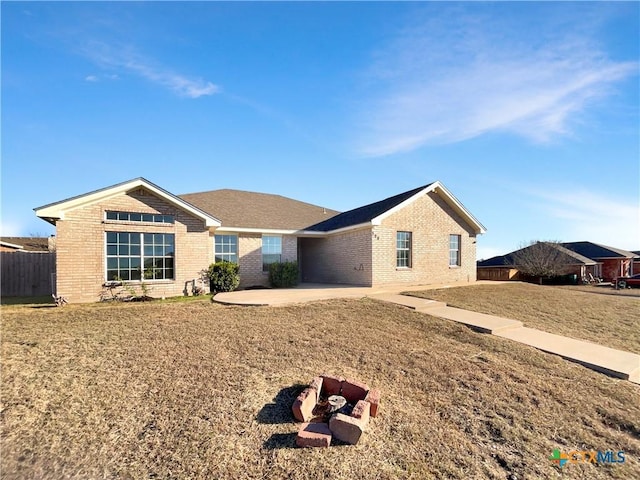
x=197, y=390
x=584, y=313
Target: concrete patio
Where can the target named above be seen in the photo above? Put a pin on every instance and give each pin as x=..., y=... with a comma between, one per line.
x=309, y=292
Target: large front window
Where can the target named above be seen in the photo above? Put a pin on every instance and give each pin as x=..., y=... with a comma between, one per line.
x=403, y=249
x=138, y=256
x=271, y=251
x=454, y=251
x=226, y=248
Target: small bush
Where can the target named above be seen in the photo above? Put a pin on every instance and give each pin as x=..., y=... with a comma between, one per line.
x=283, y=275
x=223, y=276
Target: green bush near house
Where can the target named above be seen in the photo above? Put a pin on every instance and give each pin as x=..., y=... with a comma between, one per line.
x=283, y=274
x=223, y=276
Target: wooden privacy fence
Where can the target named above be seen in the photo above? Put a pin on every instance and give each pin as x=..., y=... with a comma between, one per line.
x=27, y=274
x=498, y=273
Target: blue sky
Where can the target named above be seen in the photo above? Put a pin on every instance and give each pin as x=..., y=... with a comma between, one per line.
x=527, y=112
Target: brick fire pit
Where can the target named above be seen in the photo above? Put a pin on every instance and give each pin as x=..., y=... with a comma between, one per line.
x=334, y=407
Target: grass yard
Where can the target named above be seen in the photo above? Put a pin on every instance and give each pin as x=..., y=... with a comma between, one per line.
x=198, y=390
x=578, y=312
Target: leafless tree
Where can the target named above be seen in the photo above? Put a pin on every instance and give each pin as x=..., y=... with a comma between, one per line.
x=542, y=259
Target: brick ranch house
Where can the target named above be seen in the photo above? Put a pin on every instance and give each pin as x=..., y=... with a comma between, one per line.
x=583, y=259
x=136, y=230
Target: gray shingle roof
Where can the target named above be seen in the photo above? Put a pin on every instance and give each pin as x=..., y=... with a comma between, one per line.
x=497, y=261
x=596, y=251
x=569, y=258
x=363, y=214
x=241, y=209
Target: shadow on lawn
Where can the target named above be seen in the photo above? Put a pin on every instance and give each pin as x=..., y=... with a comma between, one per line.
x=279, y=411
x=280, y=440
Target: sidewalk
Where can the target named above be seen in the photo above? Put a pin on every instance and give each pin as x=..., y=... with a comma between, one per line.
x=617, y=363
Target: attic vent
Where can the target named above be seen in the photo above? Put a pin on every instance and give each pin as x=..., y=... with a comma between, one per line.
x=142, y=191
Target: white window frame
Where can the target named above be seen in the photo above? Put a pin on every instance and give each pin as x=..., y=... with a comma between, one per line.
x=457, y=262
x=225, y=255
x=142, y=217
x=141, y=255
x=408, y=247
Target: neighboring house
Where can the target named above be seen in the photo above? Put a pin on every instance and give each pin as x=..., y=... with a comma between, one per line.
x=580, y=258
x=505, y=267
x=27, y=244
x=613, y=262
x=136, y=230
x=636, y=261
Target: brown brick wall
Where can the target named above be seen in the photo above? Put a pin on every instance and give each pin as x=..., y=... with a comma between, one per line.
x=340, y=258
x=81, y=246
x=431, y=221
x=368, y=256
x=250, y=258
x=614, y=268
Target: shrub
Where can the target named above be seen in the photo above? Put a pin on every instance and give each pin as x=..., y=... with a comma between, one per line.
x=223, y=276
x=283, y=275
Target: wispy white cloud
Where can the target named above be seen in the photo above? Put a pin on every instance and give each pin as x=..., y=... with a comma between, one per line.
x=97, y=78
x=182, y=85
x=454, y=76
x=588, y=215
x=127, y=60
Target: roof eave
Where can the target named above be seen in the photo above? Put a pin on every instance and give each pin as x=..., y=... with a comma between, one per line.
x=269, y=231
x=11, y=245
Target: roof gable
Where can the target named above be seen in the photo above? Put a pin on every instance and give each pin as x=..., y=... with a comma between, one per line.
x=55, y=211
x=238, y=209
x=374, y=213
